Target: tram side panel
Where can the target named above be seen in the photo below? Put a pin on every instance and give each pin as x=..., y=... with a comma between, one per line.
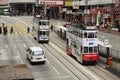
x=61, y=31
x=79, y=46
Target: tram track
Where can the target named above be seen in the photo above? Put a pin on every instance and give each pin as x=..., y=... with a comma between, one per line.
x=91, y=68
x=64, y=60
x=98, y=70
x=53, y=52
x=61, y=43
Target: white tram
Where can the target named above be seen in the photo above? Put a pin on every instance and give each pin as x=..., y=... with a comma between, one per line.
x=82, y=42
x=43, y=30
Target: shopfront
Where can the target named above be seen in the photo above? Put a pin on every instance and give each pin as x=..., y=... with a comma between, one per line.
x=51, y=7
x=106, y=15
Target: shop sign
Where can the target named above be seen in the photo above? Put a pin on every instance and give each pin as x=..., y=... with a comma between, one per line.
x=64, y=9
x=106, y=15
x=68, y=3
x=104, y=10
x=75, y=7
x=69, y=12
x=51, y=2
x=75, y=3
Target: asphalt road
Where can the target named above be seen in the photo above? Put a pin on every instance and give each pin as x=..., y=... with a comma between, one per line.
x=58, y=66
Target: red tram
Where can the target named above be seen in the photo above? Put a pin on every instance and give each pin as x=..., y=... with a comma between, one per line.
x=82, y=42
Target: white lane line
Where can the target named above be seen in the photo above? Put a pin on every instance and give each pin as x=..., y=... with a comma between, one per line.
x=53, y=67
x=20, y=57
x=25, y=45
x=55, y=70
x=48, y=61
x=15, y=47
x=6, y=46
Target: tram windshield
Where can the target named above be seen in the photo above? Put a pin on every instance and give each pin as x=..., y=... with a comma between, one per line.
x=43, y=23
x=90, y=34
x=43, y=33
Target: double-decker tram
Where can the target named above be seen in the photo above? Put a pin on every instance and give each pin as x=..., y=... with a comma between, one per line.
x=43, y=30
x=82, y=42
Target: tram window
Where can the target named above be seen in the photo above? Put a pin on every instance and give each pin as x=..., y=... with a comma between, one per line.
x=39, y=23
x=45, y=23
x=85, y=35
x=95, y=49
x=90, y=49
x=77, y=33
x=67, y=41
x=85, y=49
x=90, y=35
x=80, y=34
x=39, y=32
x=81, y=49
x=47, y=32
x=96, y=34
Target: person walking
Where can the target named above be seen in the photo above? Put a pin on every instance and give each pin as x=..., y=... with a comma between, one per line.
x=51, y=27
x=5, y=30
x=33, y=28
x=28, y=29
x=11, y=30
x=0, y=30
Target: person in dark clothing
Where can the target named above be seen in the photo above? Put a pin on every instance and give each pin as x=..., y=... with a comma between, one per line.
x=51, y=27
x=11, y=30
x=28, y=30
x=33, y=28
x=5, y=30
x=0, y=30
x=3, y=24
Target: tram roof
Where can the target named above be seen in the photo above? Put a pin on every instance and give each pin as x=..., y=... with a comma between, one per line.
x=82, y=27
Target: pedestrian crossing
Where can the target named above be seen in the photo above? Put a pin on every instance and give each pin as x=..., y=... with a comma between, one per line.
x=18, y=33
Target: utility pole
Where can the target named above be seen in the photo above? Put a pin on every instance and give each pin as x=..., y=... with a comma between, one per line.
x=86, y=8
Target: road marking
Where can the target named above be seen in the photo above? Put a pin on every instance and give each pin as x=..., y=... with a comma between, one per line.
x=15, y=46
x=48, y=61
x=6, y=46
x=53, y=67
x=25, y=45
x=20, y=58
x=55, y=70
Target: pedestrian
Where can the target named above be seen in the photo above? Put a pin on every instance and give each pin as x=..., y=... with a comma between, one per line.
x=3, y=24
x=51, y=27
x=28, y=29
x=33, y=28
x=0, y=30
x=5, y=30
x=11, y=30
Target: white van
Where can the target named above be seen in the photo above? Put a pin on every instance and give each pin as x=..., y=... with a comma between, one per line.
x=36, y=54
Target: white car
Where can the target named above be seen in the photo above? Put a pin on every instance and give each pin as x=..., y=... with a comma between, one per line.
x=36, y=54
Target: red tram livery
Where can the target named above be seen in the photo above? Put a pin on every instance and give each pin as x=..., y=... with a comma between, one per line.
x=82, y=42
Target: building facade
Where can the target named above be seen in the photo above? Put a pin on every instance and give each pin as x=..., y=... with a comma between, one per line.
x=96, y=11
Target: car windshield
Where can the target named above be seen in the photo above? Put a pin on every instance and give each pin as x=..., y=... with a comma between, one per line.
x=38, y=53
